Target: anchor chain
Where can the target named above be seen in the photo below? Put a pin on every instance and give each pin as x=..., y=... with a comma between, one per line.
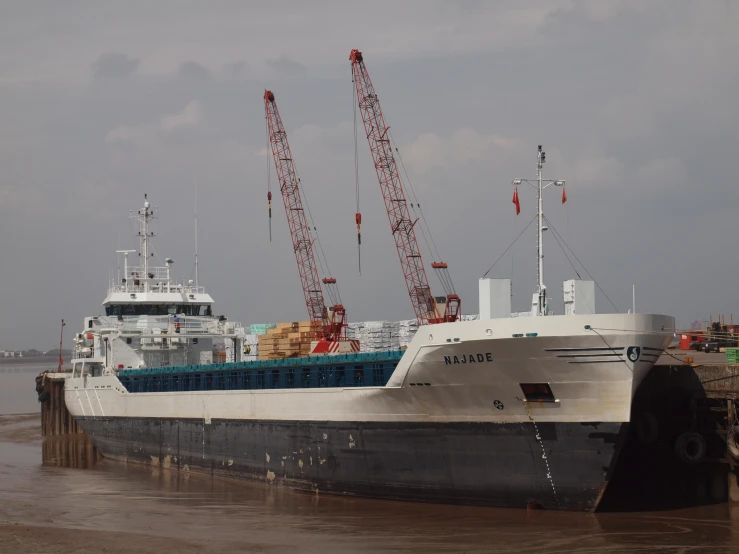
x=543, y=451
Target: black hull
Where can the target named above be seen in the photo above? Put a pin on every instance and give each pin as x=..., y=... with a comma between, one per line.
x=491, y=464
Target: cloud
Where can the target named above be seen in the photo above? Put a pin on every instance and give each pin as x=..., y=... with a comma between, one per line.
x=628, y=119
x=186, y=118
x=661, y=173
x=466, y=145
x=286, y=65
x=609, y=9
x=594, y=170
x=147, y=134
x=237, y=68
x=128, y=133
x=193, y=70
x=629, y=102
x=114, y=66
x=23, y=199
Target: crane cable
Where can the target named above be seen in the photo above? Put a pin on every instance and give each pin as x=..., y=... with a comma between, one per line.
x=358, y=215
x=430, y=240
x=557, y=233
x=269, y=176
x=333, y=292
x=424, y=227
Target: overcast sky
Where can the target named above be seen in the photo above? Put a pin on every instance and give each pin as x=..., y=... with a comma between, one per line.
x=634, y=102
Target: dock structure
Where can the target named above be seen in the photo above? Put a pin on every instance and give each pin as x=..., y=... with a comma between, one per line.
x=55, y=418
x=713, y=407
x=679, y=450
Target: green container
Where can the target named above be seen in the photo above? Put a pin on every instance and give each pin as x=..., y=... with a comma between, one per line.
x=261, y=328
x=732, y=355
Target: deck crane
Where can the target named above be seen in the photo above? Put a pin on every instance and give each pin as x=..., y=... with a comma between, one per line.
x=424, y=304
x=329, y=323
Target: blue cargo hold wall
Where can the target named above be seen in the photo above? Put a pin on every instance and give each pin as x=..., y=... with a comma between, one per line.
x=350, y=370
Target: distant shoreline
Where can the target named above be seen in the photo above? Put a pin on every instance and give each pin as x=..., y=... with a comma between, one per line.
x=54, y=360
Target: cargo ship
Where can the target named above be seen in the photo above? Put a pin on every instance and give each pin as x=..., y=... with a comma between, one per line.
x=497, y=411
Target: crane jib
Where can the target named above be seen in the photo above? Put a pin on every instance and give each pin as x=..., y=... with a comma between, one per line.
x=329, y=323
x=391, y=186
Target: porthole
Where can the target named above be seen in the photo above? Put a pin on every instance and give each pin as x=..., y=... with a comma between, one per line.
x=431, y=337
x=489, y=332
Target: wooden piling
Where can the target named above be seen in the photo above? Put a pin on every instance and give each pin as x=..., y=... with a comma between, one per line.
x=55, y=418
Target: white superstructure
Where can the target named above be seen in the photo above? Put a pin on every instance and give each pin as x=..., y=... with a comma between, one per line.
x=153, y=321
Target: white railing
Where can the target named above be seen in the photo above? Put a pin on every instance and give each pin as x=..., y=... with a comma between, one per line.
x=129, y=287
x=154, y=279
x=173, y=325
x=169, y=324
x=156, y=273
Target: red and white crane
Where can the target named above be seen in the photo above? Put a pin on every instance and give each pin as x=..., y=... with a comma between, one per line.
x=424, y=304
x=329, y=323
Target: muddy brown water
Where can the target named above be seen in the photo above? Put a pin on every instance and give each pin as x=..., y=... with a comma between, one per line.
x=58, y=495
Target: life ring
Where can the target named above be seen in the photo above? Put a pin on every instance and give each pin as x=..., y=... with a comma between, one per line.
x=647, y=428
x=732, y=443
x=690, y=448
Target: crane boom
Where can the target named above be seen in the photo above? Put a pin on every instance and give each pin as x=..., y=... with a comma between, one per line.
x=329, y=327
x=401, y=224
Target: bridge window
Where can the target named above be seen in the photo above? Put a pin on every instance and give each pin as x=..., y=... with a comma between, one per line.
x=202, y=310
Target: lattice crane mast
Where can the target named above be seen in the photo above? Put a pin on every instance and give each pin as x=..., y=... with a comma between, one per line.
x=328, y=324
x=401, y=225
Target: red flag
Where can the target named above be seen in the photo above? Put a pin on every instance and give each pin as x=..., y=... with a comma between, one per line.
x=515, y=201
x=564, y=194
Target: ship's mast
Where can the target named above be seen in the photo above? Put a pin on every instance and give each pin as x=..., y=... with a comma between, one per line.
x=197, y=281
x=541, y=288
x=145, y=213
x=541, y=304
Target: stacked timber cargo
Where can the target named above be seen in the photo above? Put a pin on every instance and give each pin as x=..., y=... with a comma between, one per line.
x=286, y=340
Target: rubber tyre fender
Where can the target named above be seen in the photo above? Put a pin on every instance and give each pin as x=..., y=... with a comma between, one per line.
x=690, y=448
x=732, y=443
x=647, y=428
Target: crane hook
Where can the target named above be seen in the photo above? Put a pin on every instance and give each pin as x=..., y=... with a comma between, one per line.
x=269, y=203
x=358, y=219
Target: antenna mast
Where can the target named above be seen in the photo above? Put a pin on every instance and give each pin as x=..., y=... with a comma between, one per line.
x=196, y=233
x=61, y=339
x=540, y=303
x=145, y=214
